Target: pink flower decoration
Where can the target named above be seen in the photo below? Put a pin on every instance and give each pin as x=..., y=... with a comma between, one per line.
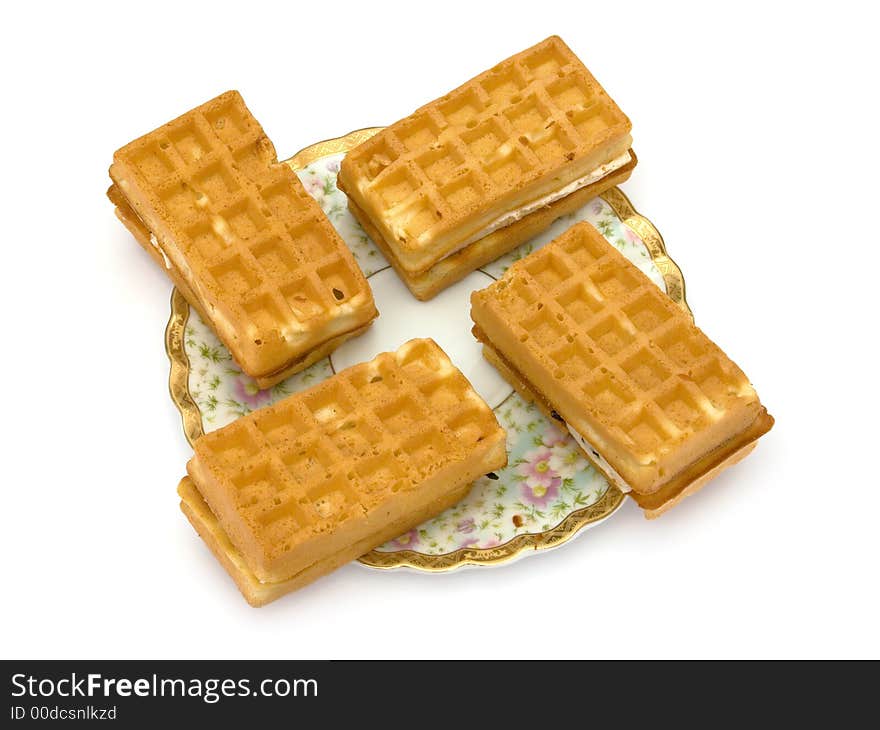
x=541, y=495
x=536, y=466
x=315, y=187
x=597, y=207
x=407, y=541
x=468, y=542
x=248, y=393
x=567, y=461
x=466, y=526
x=554, y=436
x=541, y=482
x=333, y=166
x=631, y=235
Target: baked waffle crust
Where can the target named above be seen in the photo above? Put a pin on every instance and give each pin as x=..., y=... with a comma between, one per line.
x=453, y=268
x=686, y=484
x=136, y=227
x=518, y=133
x=259, y=594
x=239, y=235
x=581, y=330
x=327, y=474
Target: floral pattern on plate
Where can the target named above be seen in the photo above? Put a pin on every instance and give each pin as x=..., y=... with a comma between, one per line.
x=547, y=478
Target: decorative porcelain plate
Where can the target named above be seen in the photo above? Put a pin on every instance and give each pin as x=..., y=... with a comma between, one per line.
x=548, y=492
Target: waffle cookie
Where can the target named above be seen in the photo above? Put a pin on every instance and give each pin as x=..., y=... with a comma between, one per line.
x=653, y=402
x=236, y=231
x=454, y=185
x=142, y=235
x=455, y=267
x=293, y=491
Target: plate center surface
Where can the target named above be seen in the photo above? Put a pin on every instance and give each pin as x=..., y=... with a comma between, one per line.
x=445, y=318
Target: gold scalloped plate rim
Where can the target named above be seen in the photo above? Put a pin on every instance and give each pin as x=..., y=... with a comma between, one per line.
x=572, y=525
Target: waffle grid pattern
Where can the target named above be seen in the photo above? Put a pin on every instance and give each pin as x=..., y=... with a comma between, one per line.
x=610, y=336
x=509, y=127
x=246, y=227
x=339, y=450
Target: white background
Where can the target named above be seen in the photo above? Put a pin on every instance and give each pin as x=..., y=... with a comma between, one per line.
x=756, y=129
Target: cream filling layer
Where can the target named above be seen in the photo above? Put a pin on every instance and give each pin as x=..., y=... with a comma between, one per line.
x=512, y=216
x=600, y=460
x=155, y=242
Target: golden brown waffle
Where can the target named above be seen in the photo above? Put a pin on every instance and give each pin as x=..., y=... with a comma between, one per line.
x=684, y=484
x=258, y=593
x=657, y=405
x=136, y=226
x=440, y=179
x=453, y=268
x=301, y=482
x=257, y=255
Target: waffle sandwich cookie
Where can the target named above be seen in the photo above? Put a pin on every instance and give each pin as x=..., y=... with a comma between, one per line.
x=240, y=237
x=654, y=403
x=470, y=176
x=293, y=491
